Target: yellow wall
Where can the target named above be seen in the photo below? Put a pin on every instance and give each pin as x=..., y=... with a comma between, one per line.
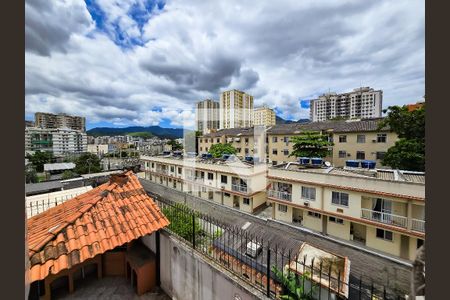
x=283, y=216
x=382, y=245
x=312, y=222
x=341, y=231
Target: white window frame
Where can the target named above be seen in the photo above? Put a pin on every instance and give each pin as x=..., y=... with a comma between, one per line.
x=285, y=208
x=340, y=199
x=306, y=195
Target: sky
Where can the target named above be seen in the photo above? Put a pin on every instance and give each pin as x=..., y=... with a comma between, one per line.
x=126, y=63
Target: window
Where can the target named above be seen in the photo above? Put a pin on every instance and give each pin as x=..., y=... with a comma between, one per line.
x=282, y=208
x=174, y=184
x=384, y=234
x=153, y=165
x=226, y=194
x=360, y=138
x=286, y=152
x=202, y=175
x=200, y=140
x=339, y=198
x=342, y=139
x=360, y=155
x=172, y=169
x=206, y=148
x=274, y=162
x=246, y=201
x=274, y=139
x=246, y=140
x=201, y=149
x=274, y=151
x=223, y=179
x=218, y=140
x=314, y=214
x=381, y=138
x=286, y=139
x=342, y=154
x=203, y=189
x=380, y=155
x=238, y=150
x=210, y=176
x=246, y=151
x=308, y=193
x=179, y=170
x=336, y=220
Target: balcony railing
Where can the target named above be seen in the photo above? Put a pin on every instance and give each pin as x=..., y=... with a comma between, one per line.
x=418, y=225
x=162, y=171
x=239, y=188
x=280, y=195
x=385, y=218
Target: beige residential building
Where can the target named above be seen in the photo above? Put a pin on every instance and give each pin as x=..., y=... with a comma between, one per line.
x=207, y=115
x=236, y=109
x=231, y=183
x=53, y=121
x=383, y=210
x=352, y=140
x=264, y=116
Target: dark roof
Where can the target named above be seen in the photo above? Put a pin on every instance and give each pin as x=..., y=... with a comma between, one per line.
x=334, y=126
x=246, y=131
x=41, y=187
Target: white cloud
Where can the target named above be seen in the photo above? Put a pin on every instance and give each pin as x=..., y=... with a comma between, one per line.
x=279, y=52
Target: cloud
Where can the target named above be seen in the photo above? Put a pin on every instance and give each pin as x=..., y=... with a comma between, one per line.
x=146, y=62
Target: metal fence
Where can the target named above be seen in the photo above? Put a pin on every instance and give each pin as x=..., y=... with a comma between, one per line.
x=274, y=268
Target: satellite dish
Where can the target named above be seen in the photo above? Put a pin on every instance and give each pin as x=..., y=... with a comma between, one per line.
x=327, y=164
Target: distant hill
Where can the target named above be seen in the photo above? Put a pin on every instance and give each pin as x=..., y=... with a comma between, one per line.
x=280, y=120
x=170, y=133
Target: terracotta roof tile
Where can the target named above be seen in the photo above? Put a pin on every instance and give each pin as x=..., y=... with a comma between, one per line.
x=99, y=220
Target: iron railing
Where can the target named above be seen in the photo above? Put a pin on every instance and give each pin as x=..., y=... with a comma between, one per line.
x=269, y=263
x=280, y=195
x=385, y=218
x=239, y=188
x=418, y=225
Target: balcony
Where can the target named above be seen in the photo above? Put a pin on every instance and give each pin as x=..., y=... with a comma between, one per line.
x=162, y=171
x=418, y=225
x=280, y=195
x=239, y=188
x=385, y=218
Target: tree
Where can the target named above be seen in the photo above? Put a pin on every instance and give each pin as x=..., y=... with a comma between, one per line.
x=408, y=153
x=175, y=145
x=38, y=159
x=87, y=163
x=292, y=286
x=30, y=175
x=310, y=144
x=67, y=174
x=181, y=221
x=217, y=150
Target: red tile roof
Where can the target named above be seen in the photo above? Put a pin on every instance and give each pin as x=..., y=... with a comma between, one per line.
x=108, y=216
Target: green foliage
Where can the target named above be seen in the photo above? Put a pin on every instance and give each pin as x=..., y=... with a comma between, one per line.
x=292, y=285
x=142, y=134
x=67, y=174
x=87, y=163
x=38, y=159
x=175, y=145
x=408, y=153
x=31, y=175
x=310, y=144
x=217, y=150
x=181, y=221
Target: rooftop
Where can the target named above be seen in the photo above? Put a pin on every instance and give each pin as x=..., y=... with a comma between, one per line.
x=381, y=174
x=99, y=220
x=59, y=166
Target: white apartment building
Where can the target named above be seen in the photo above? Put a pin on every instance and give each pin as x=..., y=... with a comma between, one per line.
x=52, y=121
x=264, y=116
x=231, y=183
x=207, y=115
x=101, y=149
x=361, y=103
x=236, y=109
x=383, y=210
x=59, y=141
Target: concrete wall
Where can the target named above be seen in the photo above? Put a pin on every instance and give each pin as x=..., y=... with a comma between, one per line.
x=341, y=231
x=391, y=247
x=187, y=275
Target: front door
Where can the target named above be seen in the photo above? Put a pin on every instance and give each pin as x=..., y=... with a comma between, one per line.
x=404, y=247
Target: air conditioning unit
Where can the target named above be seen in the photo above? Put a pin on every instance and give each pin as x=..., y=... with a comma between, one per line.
x=306, y=203
x=253, y=249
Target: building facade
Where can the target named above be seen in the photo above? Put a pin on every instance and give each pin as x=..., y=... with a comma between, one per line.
x=364, y=102
x=207, y=115
x=351, y=139
x=57, y=141
x=53, y=121
x=233, y=184
x=382, y=210
x=264, y=116
x=101, y=149
x=236, y=109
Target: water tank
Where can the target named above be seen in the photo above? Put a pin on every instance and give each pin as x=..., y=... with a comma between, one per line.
x=368, y=164
x=317, y=161
x=249, y=158
x=226, y=156
x=304, y=160
x=352, y=163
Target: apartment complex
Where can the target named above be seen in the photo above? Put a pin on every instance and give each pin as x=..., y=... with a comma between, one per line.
x=207, y=115
x=381, y=209
x=353, y=139
x=236, y=109
x=57, y=141
x=101, y=149
x=52, y=121
x=364, y=102
x=264, y=116
x=231, y=182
